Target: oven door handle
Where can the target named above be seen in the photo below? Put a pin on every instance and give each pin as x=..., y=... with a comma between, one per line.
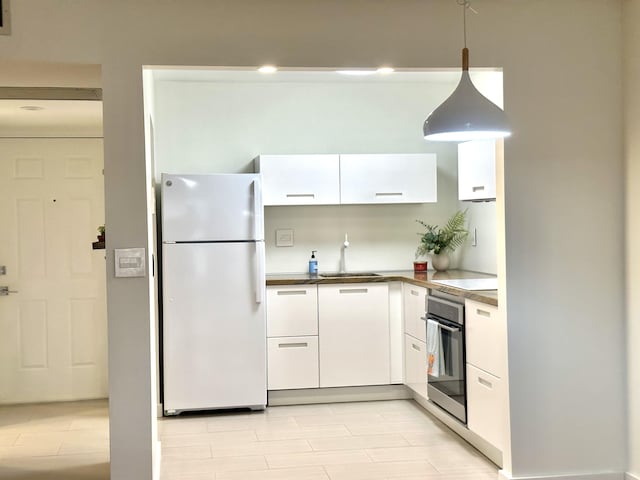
x=448, y=329
x=444, y=327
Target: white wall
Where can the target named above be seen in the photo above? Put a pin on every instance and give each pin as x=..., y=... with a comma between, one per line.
x=220, y=126
x=632, y=154
x=562, y=71
x=482, y=257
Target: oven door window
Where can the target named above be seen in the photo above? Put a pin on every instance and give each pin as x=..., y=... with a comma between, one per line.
x=451, y=380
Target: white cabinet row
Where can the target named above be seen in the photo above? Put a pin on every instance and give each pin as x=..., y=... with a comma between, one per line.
x=338, y=335
x=328, y=336
x=348, y=179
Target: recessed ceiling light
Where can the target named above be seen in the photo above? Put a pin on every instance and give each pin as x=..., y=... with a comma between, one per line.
x=268, y=69
x=31, y=108
x=385, y=70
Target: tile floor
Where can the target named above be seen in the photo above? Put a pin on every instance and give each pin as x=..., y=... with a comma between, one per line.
x=365, y=440
x=55, y=441
x=340, y=441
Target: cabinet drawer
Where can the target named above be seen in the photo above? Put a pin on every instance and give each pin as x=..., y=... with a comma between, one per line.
x=299, y=179
x=486, y=406
x=292, y=310
x=485, y=337
x=292, y=362
x=415, y=365
x=415, y=307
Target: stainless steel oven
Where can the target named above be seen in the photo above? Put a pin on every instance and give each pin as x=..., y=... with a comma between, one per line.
x=448, y=389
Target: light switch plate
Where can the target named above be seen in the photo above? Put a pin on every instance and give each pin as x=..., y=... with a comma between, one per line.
x=3, y=270
x=130, y=262
x=284, y=238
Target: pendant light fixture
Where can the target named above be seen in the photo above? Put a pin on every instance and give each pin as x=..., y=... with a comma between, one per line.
x=466, y=114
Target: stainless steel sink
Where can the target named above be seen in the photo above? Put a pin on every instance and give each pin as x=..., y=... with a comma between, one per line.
x=346, y=274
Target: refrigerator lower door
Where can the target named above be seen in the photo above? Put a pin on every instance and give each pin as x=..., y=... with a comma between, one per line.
x=214, y=330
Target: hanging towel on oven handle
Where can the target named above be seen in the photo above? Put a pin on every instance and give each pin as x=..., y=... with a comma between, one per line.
x=435, y=360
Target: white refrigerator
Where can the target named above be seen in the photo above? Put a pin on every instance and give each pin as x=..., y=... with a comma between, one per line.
x=213, y=290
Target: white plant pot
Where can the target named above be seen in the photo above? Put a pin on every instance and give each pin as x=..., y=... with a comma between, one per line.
x=440, y=261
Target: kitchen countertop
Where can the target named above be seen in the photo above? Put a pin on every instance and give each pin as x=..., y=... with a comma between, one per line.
x=423, y=279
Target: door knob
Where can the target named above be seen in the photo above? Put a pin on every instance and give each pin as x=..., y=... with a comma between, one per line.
x=4, y=291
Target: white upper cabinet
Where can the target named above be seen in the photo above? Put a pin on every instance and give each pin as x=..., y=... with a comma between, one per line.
x=388, y=178
x=299, y=179
x=477, y=170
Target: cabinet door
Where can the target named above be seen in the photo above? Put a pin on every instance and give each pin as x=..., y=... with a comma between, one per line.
x=477, y=170
x=354, y=334
x=486, y=338
x=388, y=178
x=299, y=179
x=415, y=307
x=292, y=362
x=292, y=310
x=415, y=365
x=486, y=406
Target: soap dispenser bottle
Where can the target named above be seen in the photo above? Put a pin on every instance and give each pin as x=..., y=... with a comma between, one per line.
x=313, y=263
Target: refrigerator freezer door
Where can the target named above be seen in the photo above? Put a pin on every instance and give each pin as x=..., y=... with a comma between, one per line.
x=214, y=329
x=200, y=208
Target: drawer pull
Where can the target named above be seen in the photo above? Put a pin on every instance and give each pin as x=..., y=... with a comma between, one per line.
x=354, y=290
x=415, y=347
x=478, y=188
x=483, y=313
x=414, y=293
x=292, y=292
x=293, y=345
x=389, y=194
x=301, y=195
x=484, y=382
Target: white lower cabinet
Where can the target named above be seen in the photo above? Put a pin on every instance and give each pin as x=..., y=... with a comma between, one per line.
x=353, y=324
x=292, y=363
x=415, y=365
x=486, y=415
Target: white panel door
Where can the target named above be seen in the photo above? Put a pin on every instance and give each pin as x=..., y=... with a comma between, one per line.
x=214, y=344
x=354, y=334
x=54, y=334
x=388, y=178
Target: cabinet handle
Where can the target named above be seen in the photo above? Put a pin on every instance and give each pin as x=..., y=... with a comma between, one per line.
x=484, y=382
x=389, y=194
x=292, y=292
x=293, y=345
x=354, y=290
x=478, y=188
x=483, y=313
x=415, y=347
x=301, y=195
x=424, y=319
x=414, y=293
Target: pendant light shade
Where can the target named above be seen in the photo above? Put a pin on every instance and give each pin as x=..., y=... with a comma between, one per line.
x=466, y=114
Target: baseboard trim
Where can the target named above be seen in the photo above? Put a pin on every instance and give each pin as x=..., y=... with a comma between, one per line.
x=337, y=394
x=157, y=463
x=572, y=476
x=630, y=476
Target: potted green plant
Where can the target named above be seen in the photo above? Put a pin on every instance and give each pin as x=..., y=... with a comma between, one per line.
x=440, y=242
x=101, y=233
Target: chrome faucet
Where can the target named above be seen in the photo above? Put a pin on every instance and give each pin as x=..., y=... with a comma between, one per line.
x=345, y=245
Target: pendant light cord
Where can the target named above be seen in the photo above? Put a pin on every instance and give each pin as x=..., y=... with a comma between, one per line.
x=464, y=4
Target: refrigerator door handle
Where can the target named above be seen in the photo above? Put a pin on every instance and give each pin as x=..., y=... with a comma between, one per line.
x=260, y=278
x=258, y=221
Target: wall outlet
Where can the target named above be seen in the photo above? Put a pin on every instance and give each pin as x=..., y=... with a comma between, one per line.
x=284, y=238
